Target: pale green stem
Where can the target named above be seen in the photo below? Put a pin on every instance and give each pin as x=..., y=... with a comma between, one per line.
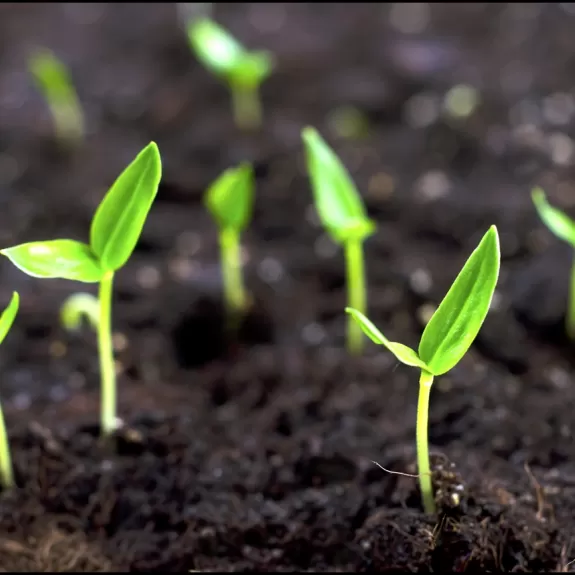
x=570, y=319
x=106, y=350
x=6, y=472
x=423, y=467
x=356, y=294
x=234, y=293
x=246, y=106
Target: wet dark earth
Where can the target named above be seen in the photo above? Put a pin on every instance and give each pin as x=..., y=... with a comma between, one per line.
x=255, y=453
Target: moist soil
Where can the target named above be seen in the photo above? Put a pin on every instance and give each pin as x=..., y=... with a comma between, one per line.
x=255, y=451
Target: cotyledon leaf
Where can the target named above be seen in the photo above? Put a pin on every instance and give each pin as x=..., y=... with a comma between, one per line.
x=458, y=319
x=65, y=259
x=402, y=352
x=120, y=217
x=558, y=222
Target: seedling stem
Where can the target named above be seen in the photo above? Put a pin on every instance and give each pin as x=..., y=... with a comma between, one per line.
x=423, y=466
x=247, y=108
x=6, y=473
x=106, y=352
x=234, y=292
x=356, y=292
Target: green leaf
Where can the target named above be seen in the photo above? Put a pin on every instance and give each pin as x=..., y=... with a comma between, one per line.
x=558, y=222
x=458, y=319
x=8, y=316
x=402, y=352
x=119, y=219
x=337, y=201
x=52, y=77
x=223, y=55
x=65, y=259
x=230, y=198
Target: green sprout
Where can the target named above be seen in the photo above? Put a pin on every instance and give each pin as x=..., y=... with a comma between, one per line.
x=6, y=470
x=343, y=215
x=77, y=307
x=446, y=338
x=241, y=69
x=54, y=82
x=564, y=228
x=114, y=233
x=230, y=202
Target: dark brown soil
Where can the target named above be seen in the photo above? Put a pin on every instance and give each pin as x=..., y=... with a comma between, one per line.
x=257, y=454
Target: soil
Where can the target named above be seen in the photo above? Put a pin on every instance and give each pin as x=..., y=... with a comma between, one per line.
x=256, y=453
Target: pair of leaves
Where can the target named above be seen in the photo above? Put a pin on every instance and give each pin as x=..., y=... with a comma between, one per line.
x=337, y=200
x=114, y=233
x=458, y=319
x=557, y=221
x=225, y=56
x=230, y=198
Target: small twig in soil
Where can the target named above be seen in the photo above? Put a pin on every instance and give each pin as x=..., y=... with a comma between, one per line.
x=539, y=493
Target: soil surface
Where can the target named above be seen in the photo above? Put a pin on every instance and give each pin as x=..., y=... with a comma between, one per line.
x=255, y=453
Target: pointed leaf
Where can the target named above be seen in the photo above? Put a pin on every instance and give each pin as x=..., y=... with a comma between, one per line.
x=402, y=352
x=119, y=219
x=557, y=221
x=337, y=201
x=230, y=198
x=458, y=319
x=65, y=259
x=8, y=316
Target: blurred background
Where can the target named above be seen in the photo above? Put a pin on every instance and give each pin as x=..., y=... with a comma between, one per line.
x=445, y=115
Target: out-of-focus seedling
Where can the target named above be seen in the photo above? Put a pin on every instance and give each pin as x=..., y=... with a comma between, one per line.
x=242, y=70
x=114, y=233
x=343, y=215
x=564, y=228
x=6, y=470
x=230, y=202
x=77, y=307
x=446, y=338
x=54, y=82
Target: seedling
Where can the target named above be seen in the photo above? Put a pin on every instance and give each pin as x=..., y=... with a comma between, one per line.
x=114, y=233
x=564, y=228
x=343, y=215
x=6, y=471
x=242, y=70
x=78, y=306
x=446, y=338
x=54, y=83
x=230, y=202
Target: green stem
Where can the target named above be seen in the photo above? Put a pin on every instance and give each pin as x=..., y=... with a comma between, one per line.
x=6, y=471
x=423, y=467
x=106, y=350
x=234, y=293
x=246, y=106
x=570, y=318
x=356, y=294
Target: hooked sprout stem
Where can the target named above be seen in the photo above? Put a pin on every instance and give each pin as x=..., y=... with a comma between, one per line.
x=356, y=296
x=106, y=352
x=247, y=108
x=423, y=467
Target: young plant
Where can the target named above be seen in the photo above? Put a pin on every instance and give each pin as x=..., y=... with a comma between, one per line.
x=114, y=233
x=446, y=338
x=564, y=228
x=6, y=471
x=343, y=215
x=242, y=70
x=55, y=84
x=230, y=202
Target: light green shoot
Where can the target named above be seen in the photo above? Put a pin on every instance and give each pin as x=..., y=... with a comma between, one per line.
x=343, y=215
x=230, y=202
x=53, y=80
x=564, y=228
x=243, y=70
x=77, y=307
x=114, y=233
x=6, y=470
x=446, y=339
